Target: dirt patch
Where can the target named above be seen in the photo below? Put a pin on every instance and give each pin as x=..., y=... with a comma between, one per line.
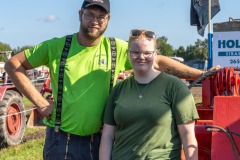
x=197, y=92
x=39, y=133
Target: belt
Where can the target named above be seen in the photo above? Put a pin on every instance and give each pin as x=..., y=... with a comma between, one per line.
x=77, y=136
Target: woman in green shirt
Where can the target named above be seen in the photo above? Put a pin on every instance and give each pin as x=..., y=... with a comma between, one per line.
x=152, y=114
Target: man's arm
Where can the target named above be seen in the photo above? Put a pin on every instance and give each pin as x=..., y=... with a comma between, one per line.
x=178, y=69
x=16, y=69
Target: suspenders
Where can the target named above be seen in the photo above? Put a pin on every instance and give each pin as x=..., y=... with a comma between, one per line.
x=60, y=81
x=61, y=75
x=114, y=54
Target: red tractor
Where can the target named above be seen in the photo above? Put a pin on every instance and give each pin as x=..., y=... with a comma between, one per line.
x=12, y=110
x=123, y=75
x=12, y=115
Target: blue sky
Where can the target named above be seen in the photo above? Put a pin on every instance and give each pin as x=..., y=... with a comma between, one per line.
x=29, y=22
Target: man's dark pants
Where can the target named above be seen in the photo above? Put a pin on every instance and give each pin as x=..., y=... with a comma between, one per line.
x=61, y=146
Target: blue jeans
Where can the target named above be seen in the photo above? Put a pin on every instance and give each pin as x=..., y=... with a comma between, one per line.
x=61, y=146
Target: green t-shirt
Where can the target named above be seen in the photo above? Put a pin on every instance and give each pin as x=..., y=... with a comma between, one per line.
x=86, y=80
x=146, y=128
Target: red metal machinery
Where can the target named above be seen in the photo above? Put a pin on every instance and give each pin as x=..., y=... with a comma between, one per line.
x=12, y=115
x=218, y=129
x=123, y=75
x=12, y=110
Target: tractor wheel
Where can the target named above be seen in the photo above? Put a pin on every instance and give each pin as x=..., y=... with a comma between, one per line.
x=12, y=125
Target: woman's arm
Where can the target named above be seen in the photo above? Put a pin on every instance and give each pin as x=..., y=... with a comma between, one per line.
x=106, y=142
x=189, y=141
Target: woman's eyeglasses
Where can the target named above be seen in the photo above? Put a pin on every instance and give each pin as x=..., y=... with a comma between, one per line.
x=138, y=32
x=137, y=54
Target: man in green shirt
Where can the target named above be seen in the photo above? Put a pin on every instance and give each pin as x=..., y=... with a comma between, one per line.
x=80, y=95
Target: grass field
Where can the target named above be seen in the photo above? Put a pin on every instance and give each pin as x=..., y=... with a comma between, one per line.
x=30, y=149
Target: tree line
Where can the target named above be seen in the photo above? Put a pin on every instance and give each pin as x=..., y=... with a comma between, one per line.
x=7, y=47
x=198, y=51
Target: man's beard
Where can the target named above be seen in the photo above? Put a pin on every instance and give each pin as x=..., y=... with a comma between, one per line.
x=92, y=36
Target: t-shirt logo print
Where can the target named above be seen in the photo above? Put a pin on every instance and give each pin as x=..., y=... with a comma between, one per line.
x=103, y=62
x=101, y=1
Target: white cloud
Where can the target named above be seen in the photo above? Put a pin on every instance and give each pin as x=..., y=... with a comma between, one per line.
x=51, y=18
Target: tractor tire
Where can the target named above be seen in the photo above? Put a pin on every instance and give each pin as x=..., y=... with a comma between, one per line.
x=12, y=127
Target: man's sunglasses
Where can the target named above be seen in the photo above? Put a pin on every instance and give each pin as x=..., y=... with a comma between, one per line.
x=138, y=32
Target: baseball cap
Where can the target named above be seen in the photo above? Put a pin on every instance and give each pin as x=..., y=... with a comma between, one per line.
x=102, y=3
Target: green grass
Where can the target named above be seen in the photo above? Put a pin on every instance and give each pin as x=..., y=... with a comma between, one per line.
x=27, y=103
x=198, y=100
x=29, y=150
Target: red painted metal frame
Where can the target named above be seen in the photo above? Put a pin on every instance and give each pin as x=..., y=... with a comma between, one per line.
x=226, y=114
